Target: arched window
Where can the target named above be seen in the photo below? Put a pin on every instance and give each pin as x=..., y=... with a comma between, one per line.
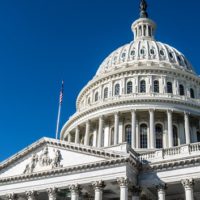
x=175, y=136
x=181, y=90
x=198, y=136
x=128, y=134
x=88, y=101
x=149, y=28
x=169, y=87
x=112, y=136
x=143, y=136
x=91, y=140
x=156, y=88
x=159, y=136
x=129, y=87
x=117, y=89
x=192, y=93
x=105, y=93
x=96, y=97
x=142, y=86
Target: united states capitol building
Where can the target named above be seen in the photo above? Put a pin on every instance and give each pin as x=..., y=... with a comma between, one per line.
x=135, y=134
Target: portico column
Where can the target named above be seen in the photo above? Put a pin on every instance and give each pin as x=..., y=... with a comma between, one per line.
x=31, y=195
x=52, y=193
x=170, y=128
x=74, y=189
x=87, y=131
x=187, y=128
x=77, y=135
x=98, y=188
x=133, y=127
x=188, y=186
x=123, y=183
x=116, y=128
x=135, y=193
x=100, y=132
x=11, y=196
x=161, y=191
x=152, y=129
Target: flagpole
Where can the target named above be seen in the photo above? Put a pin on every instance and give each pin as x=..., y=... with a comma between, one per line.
x=59, y=109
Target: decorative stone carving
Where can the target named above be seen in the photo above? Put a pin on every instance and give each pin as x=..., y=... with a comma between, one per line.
x=123, y=181
x=31, y=195
x=98, y=184
x=11, y=196
x=31, y=166
x=75, y=188
x=52, y=193
x=44, y=158
x=187, y=183
x=57, y=159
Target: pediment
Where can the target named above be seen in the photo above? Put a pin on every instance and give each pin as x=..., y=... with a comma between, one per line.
x=48, y=154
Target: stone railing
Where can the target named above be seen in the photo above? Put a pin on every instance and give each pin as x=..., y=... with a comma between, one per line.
x=171, y=153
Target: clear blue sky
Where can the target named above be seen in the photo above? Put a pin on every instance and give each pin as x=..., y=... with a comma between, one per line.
x=45, y=41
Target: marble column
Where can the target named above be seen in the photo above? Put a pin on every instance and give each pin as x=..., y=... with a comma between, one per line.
x=133, y=129
x=116, y=128
x=87, y=132
x=100, y=132
x=74, y=189
x=152, y=129
x=11, y=196
x=52, y=193
x=170, y=128
x=98, y=188
x=187, y=128
x=31, y=195
x=77, y=135
x=161, y=191
x=135, y=190
x=188, y=186
x=123, y=183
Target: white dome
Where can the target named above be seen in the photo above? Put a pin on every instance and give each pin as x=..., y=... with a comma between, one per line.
x=143, y=50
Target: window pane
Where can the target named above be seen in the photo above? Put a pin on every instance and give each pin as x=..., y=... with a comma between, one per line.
x=159, y=136
x=156, y=86
x=181, y=90
x=105, y=93
x=117, y=89
x=169, y=87
x=143, y=86
x=128, y=134
x=143, y=136
x=175, y=136
x=129, y=87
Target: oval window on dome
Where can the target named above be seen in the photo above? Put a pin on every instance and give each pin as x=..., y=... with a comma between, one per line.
x=152, y=51
x=123, y=55
x=162, y=53
x=132, y=52
x=171, y=55
x=142, y=51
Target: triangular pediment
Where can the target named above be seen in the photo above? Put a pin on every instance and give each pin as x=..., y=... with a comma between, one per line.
x=48, y=154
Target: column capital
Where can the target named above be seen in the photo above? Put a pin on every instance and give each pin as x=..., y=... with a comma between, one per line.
x=98, y=184
x=123, y=181
x=11, y=196
x=187, y=183
x=170, y=111
x=75, y=188
x=31, y=194
x=161, y=187
x=52, y=192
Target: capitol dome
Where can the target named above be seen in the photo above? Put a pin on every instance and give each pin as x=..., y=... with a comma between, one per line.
x=145, y=94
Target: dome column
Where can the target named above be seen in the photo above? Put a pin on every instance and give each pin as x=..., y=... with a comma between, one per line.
x=75, y=190
x=98, y=188
x=116, y=128
x=187, y=128
x=123, y=183
x=87, y=131
x=133, y=127
x=188, y=186
x=170, y=129
x=100, y=132
x=77, y=135
x=152, y=129
x=52, y=193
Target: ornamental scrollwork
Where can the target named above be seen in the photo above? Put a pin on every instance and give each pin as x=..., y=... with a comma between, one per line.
x=52, y=192
x=98, y=184
x=11, y=196
x=75, y=188
x=188, y=183
x=31, y=195
x=123, y=181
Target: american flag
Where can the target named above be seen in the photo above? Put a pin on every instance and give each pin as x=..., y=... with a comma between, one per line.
x=61, y=93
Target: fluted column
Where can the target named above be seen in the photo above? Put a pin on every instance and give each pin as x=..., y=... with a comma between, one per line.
x=187, y=128
x=11, y=196
x=135, y=193
x=31, y=195
x=74, y=189
x=188, y=186
x=161, y=191
x=87, y=131
x=98, y=188
x=170, y=128
x=77, y=135
x=100, y=132
x=133, y=127
x=52, y=193
x=123, y=183
x=152, y=129
x=116, y=128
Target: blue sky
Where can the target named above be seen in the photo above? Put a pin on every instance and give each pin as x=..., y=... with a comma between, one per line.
x=45, y=41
